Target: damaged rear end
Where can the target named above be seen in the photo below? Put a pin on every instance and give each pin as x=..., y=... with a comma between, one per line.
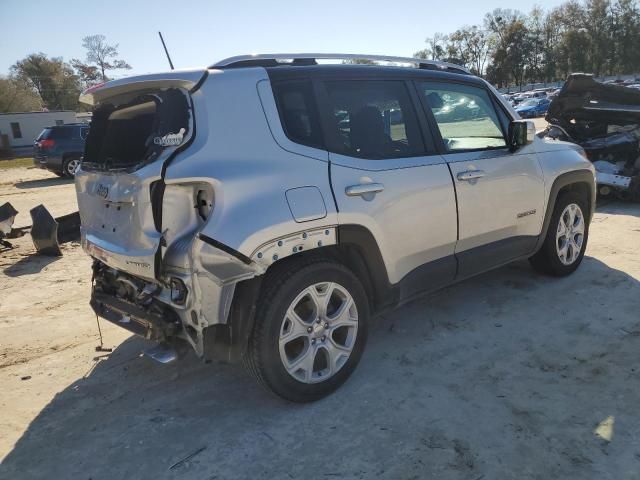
x=604, y=119
x=150, y=263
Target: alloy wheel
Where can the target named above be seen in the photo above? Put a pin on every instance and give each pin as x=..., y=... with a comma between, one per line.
x=318, y=332
x=72, y=166
x=570, y=234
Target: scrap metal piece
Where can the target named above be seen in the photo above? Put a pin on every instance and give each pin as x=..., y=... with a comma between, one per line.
x=162, y=353
x=44, y=232
x=48, y=233
x=68, y=227
x=7, y=217
x=612, y=180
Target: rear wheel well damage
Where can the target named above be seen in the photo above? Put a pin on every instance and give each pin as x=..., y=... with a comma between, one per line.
x=357, y=250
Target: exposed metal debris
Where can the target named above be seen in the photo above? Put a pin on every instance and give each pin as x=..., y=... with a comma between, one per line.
x=7, y=217
x=48, y=233
x=283, y=247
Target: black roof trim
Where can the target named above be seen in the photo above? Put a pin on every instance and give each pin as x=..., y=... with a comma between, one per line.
x=368, y=72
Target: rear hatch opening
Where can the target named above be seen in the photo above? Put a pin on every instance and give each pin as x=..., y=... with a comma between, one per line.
x=127, y=136
x=133, y=136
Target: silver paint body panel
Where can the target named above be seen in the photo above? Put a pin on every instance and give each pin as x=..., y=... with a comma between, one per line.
x=413, y=219
x=488, y=207
x=268, y=193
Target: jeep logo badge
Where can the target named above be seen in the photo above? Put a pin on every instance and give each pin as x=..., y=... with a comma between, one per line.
x=102, y=191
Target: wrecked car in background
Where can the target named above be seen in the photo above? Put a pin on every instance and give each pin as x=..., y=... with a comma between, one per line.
x=604, y=119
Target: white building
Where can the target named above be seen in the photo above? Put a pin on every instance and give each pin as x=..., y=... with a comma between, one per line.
x=23, y=128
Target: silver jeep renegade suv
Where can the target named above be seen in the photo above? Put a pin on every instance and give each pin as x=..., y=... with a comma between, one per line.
x=265, y=207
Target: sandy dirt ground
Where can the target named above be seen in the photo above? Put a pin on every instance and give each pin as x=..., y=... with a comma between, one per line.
x=507, y=375
x=26, y=188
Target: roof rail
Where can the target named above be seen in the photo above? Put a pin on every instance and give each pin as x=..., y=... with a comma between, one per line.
x=300, y=59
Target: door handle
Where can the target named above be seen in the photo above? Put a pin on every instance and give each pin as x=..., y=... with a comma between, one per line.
x=470, y=175
x=363, y=189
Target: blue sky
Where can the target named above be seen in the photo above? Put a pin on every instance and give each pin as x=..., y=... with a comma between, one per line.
x=201, y=32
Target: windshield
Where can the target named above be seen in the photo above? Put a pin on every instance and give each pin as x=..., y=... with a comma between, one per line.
x=530, y=103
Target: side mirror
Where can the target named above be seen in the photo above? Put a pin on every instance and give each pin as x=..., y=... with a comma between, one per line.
x=521, y=133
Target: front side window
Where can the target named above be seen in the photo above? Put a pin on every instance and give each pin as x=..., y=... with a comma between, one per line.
x=15, y=130
x=372, y=119
x=298, y=115
x=465, y=116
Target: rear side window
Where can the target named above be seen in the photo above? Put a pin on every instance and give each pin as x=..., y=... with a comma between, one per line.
x=372, y=119
x=298, y=113
x=465, y=116
x=44, y=134
x=61, y=133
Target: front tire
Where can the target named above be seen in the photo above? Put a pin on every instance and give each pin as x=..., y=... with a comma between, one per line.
x=566, y=239
x=310, y=330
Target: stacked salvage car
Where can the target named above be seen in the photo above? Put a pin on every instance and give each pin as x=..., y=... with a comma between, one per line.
x=604, y=119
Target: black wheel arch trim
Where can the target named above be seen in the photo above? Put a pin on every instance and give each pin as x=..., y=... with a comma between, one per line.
x=575, y=177
x=228, y=341
x=369, y=259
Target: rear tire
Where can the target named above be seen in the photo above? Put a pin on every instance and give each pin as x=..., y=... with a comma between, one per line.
x=566, y=239
x=69, y=166
x=310, y=330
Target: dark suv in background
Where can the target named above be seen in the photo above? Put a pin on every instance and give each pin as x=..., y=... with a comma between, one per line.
x=60, y=148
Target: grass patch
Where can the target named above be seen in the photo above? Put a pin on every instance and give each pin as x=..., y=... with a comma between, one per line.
x=16, y=163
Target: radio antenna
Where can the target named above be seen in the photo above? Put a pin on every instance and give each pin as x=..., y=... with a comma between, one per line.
x=165, y=50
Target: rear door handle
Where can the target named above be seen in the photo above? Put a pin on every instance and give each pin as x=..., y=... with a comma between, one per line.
x=470, y=175
x=363, y=189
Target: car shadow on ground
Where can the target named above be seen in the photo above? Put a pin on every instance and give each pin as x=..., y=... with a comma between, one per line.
x=44, y=182
x=615, y=206
x=504, y=375
x=29, y=265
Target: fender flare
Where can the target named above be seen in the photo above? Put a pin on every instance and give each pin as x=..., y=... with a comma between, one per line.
x=575, y=177
x=368, y=263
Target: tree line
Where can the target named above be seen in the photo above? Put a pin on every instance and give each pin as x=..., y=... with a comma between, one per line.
x=41, y=82
x=508, y=48
x=512, y=48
